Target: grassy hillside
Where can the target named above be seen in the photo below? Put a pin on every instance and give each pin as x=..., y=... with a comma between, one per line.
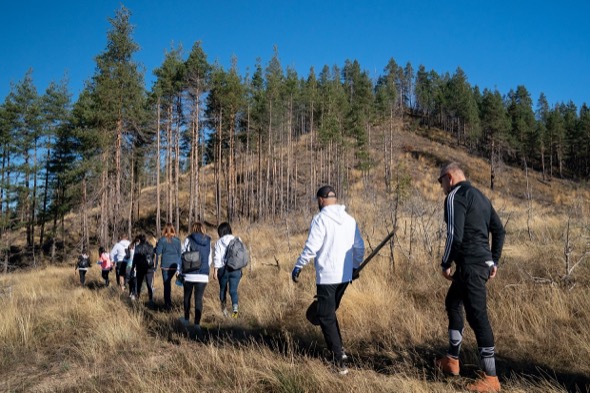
x=58, y=337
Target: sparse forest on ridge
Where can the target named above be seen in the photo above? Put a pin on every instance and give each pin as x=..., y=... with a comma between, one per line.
x=214, y=144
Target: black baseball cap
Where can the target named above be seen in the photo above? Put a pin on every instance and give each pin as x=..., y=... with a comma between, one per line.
x=324, y=192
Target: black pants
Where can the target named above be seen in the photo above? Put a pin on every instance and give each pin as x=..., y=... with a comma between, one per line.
x=148, y=276
x=468, y=290
x=199, y=290
x=105, y=277
x=120, y=271
x=168, y=275
x=82, y=277
x=329, y=297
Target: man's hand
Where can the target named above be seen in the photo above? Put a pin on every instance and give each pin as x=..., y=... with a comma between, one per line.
x=493, y=271
x=355, y=273
x=295, y=274
x=446, y=273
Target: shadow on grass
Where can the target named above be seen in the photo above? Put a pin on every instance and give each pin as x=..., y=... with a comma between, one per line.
x=374, y=355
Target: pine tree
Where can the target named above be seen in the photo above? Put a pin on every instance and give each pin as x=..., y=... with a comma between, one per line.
x=197, y=71
x=542, y=115
x=523, y=135
x=25, y=132
x=118, y=96
x=495, y=125
x=56, y=111
x=169, y=88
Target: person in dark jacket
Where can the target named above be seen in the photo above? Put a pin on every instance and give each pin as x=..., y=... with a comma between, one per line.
x=196, y=280
x=168, y=249
x=82, y=265
x=470, y=219
x=144, y=266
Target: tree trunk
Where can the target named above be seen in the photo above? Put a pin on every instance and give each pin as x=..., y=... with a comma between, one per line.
x=131, y=198
x=158, y=188
x=104, y=222
x=169, y=166
x=45, y=193
x=177, y=171
x=117, y=217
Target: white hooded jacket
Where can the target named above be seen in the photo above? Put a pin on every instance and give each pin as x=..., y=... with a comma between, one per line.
x=335, y=242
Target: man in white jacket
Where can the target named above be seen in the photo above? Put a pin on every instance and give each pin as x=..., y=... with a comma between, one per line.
x=335, y=243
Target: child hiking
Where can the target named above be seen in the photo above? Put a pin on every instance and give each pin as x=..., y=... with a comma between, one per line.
x=104, y=260
x=82, y=265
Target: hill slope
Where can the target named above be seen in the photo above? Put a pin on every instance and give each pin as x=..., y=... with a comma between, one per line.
x=56, y=336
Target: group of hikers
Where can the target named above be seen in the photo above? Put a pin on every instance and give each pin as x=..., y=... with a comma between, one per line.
x=135, y=263
x=335, y=244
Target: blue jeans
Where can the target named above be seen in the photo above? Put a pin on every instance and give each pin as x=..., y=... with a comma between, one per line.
x=231, y=279
x=167, y=276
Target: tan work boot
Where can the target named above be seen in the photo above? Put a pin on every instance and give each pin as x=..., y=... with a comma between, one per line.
x=485, y=384
x=448, y=365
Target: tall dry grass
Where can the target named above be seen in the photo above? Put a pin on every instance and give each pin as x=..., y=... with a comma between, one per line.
x=58, y=337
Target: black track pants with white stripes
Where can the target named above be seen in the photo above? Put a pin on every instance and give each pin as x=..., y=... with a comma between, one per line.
x=468, y=290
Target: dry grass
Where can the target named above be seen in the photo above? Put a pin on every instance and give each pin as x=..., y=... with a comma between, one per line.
x=58, y=337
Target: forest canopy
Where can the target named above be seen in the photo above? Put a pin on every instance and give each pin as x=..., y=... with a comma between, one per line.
x=120, y=136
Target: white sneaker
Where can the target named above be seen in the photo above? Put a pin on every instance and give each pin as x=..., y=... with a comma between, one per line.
x=225, y=313
x=132, y=297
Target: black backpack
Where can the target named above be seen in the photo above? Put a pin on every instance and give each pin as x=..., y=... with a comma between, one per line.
x=191, y=259
x=236, y=254
x=145, y=253
x=83, y=262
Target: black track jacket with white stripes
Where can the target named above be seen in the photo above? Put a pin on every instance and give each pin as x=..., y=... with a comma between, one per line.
x=470, y=219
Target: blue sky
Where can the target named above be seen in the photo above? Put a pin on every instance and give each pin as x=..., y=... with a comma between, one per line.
x=543, y=45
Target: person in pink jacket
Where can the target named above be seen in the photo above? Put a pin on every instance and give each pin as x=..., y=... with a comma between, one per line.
x=105, y=263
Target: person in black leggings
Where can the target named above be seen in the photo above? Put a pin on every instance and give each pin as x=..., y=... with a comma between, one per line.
x=144, y=265
x=196, y=279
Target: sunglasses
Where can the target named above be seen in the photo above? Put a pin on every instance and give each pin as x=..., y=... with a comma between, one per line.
x=440, y=179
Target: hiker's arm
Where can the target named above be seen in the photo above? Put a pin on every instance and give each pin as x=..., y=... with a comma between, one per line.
x=314, y=242
x=358, y=249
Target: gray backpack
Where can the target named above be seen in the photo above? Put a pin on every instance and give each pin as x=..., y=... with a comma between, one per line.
x=236, y=254
x=191, y=259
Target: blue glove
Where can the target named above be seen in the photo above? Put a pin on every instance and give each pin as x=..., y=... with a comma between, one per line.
x=295, y=274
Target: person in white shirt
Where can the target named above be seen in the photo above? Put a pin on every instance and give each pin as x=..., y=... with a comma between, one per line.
x=117, y=255
x=228, y=277
x=336, y=245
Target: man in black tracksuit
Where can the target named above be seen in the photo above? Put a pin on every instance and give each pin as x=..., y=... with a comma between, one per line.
x=470, y=219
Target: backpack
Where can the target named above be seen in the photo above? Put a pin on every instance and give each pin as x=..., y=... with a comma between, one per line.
x=146, y=252
x=191, y=259
x=149, y=259
x=236, y=254
x=83, y=262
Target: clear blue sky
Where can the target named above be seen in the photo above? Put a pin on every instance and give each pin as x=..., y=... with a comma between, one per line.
x=543, y=45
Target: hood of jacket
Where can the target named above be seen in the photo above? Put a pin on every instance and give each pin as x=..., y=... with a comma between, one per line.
x=335, y=213
x=201, y=239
